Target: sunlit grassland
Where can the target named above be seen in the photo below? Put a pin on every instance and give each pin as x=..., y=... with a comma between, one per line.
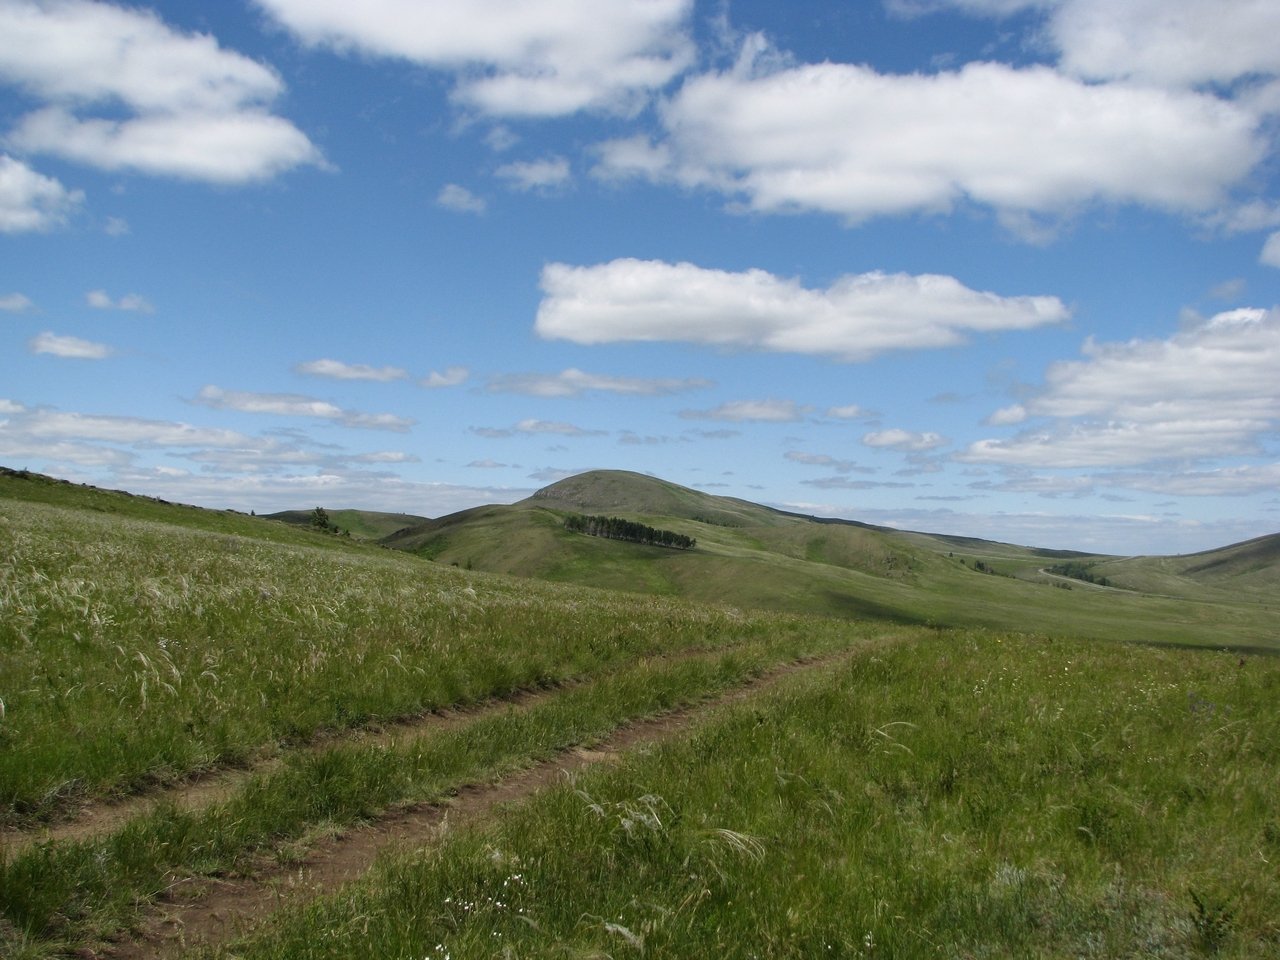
x=55, y=895
x=969, y=795
x=136, y=651
x=785, y=563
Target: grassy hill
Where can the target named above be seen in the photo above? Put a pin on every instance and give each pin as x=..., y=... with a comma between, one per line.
x=752, y=556
x=911, y=792
x=361, y=524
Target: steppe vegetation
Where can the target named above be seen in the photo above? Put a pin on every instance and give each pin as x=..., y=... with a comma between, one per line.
x=918, y=791
x=968, y=795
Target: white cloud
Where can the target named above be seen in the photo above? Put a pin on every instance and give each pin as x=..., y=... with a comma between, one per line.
x=904, y=440
x=116, y=227
x=101, y=300
x=844, y=139
x=297, y=405
x=1175, y=42
x=192, y=109
x=573, y=382
x=274, y=490
x=30, y=201
x=825, y=460
x=460, y=199
x=15, y=303
x=844, y=483
x=536, y=427
x=514, y=57
x=452, y=377
x=857, y=317
x=548, y=174
x=51, y=425
x=1224, y=481
x=1043, y=486
x=69, y=347
x=1270, y=255
x=1207, y=391
x=338, y=370
x=759, y=411
x=849, y=412
x=554, y=427
x=1016, y=413
x=18, y=450
x=226, y=148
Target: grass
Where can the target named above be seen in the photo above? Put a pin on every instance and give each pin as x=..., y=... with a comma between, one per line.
x=60, y=894
x=138, y=652
x=946, y=793
x=753, y=557
x=970, y=795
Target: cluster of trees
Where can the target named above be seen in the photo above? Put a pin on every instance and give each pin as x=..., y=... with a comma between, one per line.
x=1079, y=571
x=320, y=521
x=615, y=528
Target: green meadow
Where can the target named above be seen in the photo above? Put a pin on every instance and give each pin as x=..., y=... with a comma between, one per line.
x=982, y=758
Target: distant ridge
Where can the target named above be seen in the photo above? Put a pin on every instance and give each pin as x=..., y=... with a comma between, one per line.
x=754, y=556
x=361, y=524
x=601, y=491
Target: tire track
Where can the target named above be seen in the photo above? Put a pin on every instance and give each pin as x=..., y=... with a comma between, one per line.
x=205, y=912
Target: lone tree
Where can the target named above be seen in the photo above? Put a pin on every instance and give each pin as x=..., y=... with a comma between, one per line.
x=320, y=519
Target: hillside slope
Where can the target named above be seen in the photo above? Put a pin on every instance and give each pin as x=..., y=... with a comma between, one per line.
x=361, y=524
x=753, y=556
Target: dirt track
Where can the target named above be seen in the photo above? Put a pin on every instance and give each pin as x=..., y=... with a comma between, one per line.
x=211, y=911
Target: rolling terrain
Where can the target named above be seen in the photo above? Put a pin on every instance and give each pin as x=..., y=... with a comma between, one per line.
x=227, y=736
x=753, y=556
x=360, y=524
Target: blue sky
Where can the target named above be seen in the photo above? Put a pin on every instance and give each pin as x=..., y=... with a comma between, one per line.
x=1002, y=268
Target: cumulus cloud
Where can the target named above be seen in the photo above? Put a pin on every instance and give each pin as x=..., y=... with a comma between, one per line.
x=1174, y=42
x=856, y=318
x=1015, y=413
x=847, y=140
x=15, y=303
x=451, y=377
x=1207, y=391
x=746, y=411
x=848, y=412
x=514, y=57
x=32, y=202
x=297, y=405
x=459, y=199
x=191, y=109
x=70, y=347
x=1270, y=255
x=543, y=175
x=573, y=382
x=135, y=302
x=904, y=440
x=338, y=370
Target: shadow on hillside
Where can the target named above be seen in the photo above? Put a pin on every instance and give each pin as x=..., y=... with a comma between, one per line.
x=858, y=608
